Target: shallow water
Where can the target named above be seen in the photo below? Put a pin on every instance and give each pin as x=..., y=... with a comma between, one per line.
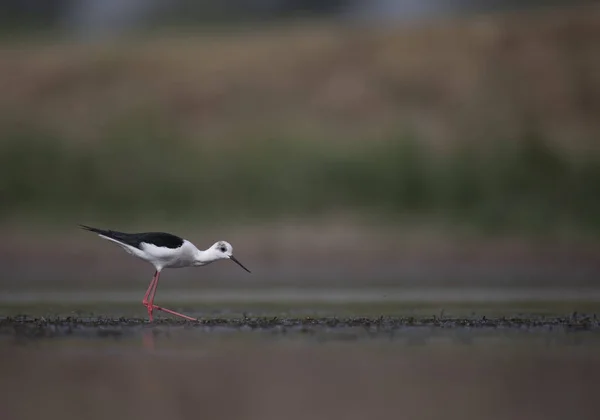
x=281, y=365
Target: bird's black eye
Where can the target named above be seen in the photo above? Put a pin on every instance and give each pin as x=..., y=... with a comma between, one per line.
x=223, y=249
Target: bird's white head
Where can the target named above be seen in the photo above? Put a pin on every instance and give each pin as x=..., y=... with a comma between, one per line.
x=222, y=250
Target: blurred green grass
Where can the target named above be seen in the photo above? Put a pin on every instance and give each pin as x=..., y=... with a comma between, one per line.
x=145, y=169
x=447, y=124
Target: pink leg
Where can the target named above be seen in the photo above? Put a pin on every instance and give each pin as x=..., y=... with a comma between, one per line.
x=189, y=318
x=149, y=301
x=150, y=288
x=151, y=291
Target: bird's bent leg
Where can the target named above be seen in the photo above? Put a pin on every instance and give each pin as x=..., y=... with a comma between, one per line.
x=150, y=294
x=153, y=292
x=152, y=283
x=149, y=301
x=189, y=318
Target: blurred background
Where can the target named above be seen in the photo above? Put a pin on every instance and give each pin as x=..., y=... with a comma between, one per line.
x=419, y=145
x=351, y=151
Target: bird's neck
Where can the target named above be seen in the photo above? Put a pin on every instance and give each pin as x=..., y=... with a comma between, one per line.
x=204, y=257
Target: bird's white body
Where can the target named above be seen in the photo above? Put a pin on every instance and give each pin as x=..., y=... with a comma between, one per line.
x=187, y=255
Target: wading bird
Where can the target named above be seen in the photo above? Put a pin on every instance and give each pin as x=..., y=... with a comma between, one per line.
x=164, y=250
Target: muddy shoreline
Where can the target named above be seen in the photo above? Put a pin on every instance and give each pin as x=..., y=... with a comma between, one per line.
x=40, y=327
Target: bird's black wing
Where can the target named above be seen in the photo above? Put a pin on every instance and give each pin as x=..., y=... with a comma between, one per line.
x=160, y=239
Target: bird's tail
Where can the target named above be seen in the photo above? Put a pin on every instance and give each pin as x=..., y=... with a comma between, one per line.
x=93, y=229
x=112, y=235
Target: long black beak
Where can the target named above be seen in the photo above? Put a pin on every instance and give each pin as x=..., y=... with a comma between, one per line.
x=232, y=258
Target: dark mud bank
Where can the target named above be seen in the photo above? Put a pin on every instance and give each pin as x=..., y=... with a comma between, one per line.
x=351, y=327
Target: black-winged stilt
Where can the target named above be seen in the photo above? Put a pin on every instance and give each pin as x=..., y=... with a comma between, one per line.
x=164, y=250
